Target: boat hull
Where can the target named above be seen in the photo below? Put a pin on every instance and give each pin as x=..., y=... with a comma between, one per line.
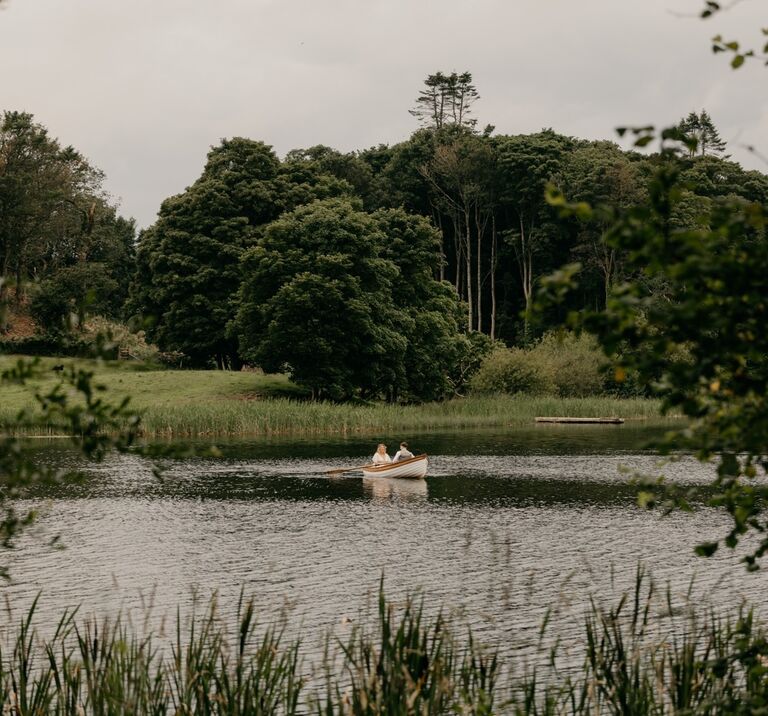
x=413, y=469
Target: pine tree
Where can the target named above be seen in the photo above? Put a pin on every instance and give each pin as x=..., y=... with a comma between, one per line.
x=447, y=100
x=701, y=128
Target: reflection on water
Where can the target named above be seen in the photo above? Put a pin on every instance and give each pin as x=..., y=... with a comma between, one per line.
x=505, y=526
x=392, y=489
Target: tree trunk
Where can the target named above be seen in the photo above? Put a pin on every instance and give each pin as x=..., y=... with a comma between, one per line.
x=526, y=275
x=609, y=269
x=493, y=276
x=468, y=268
x=478, y=261
x=459, y=253
x=442, y=244
x=18, y=281
x=4, y=275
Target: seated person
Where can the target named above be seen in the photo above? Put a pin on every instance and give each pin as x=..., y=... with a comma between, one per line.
x=380, y=457
x=403, y=453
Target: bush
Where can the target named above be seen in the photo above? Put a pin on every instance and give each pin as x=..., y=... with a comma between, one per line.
x=561, y=364
x=573, y=364
x=134, y=343
x=73, y=291
x=511, y=370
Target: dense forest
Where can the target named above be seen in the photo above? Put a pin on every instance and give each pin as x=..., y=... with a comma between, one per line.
x=384, y=272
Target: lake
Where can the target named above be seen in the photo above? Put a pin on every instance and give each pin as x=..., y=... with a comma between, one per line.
x=506, y=526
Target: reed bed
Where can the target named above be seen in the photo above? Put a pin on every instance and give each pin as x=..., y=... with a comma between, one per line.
x=634, y=662
x=285, y=416
x=222, y=403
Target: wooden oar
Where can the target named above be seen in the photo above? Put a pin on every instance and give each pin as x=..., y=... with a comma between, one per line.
x=338, y=471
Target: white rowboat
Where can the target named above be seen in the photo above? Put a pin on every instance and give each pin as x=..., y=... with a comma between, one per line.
x=413, y=468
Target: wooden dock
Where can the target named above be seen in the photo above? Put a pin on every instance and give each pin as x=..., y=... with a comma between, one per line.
x=583, y=421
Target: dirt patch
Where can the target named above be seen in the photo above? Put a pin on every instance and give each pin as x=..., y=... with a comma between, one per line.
x=19, y=325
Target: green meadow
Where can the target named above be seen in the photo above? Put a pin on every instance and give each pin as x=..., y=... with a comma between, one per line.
x=190, y=403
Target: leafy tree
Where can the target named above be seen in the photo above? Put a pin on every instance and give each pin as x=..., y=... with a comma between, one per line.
x=316, y=300
x=699, y=345
x=600, y=174
x=525, y=165
x=113, y=245
x=189, y=261
x=354, y=175
x=460, y=175
x=50, y=201
x=436, y=347
x=75, y=291
x=714, y=177
x=188, y=271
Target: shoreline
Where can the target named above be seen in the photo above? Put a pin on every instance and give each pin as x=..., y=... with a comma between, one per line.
x=193, y=403
x=280, y=417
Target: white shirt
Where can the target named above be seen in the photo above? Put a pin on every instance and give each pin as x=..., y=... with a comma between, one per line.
x=402, y=454
x=379, y=459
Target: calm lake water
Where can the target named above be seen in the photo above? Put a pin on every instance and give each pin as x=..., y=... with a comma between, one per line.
x=505, y=526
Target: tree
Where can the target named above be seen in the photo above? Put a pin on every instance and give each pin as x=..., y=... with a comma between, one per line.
x=50, y=201
x=459, y=175
x=188, y=263
x=80, y=290
x=436, y=344
x=350, y=171
x=701, y=128
x=57, y=228
x=446, y=100
x=700, y=346
x=525, y=165
x=190, y=259
x=601, y=175
x=316, y=301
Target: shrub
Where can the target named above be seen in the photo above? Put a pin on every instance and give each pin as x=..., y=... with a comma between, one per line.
x=134, y=343
x=562, y=364
x=511, y=370
x=573, y=364
x=73, y=291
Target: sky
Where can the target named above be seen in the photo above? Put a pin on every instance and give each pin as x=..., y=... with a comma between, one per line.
x=144, y=88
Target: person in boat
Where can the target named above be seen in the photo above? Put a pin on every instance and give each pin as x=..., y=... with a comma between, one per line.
x=381, y=457
x=403, y=453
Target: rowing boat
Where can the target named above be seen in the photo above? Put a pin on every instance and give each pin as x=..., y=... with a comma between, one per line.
x=413, y=467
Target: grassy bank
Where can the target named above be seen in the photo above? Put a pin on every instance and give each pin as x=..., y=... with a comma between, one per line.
x=202, y=403
x=401, y=663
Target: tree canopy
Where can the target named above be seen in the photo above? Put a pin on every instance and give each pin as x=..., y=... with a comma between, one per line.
x=54, y=212
x=345, y=300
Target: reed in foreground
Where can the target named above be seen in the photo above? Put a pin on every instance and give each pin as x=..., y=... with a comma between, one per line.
x=401, y=663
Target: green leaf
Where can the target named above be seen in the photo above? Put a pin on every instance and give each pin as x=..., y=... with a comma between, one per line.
x=707, y=549
x=646, y=500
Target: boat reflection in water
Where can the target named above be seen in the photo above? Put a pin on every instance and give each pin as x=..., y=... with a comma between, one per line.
x=394, y=488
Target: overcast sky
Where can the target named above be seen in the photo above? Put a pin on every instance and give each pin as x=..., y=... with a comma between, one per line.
x=144, y=87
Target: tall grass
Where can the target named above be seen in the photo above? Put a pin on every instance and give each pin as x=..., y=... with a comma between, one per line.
x=634, y=662
x=704, y=664
x=286, y=416
x=210, y=403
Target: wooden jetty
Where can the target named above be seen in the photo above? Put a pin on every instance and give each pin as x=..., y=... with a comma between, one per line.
x=583, y=421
